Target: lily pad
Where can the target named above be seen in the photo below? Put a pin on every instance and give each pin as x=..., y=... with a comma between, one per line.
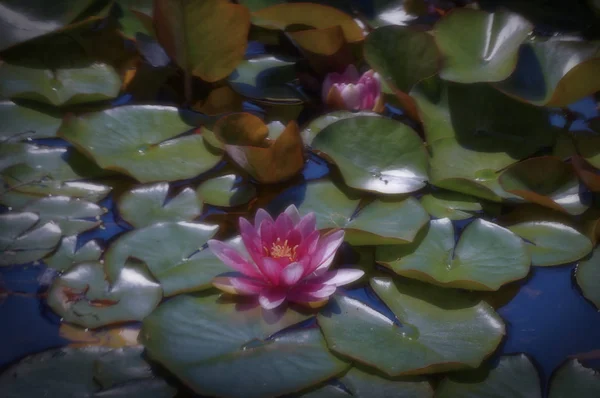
x=375, y=154
x=572, y=379
x=66, y=256
x=589, y=148
x=452, y=205
x=18, y=123
x=365, y=384
x=547, y=181
x=381, y=222
x=514, y=377
x=24, y=239
x=588, y=277
x=486, y=256
x=148, y=204
x=267, y=78
x=225, y=191
x=224, y=349
x=206, y=38
x=143, y=141
x=83, y=296
x=479, y=46
x=316, y=125
x=171, y=252
x=403, y=56
x=552, y=243
x=441, y=329
x=120, y=366
x=70, y=214
x=555, y=72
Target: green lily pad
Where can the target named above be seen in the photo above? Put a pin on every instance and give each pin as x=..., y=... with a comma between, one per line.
x=547, y=181
x=403, y=56
x=555, y=72
x=142, y=141
x=120, y=366
x=441, y=329
x=18, y=123
x=65, y=86
x=572, y=379
x=381, y=222
x=267, y=78
x=224, y=191
x=171, y=252
x=365, y=384
x=327, y=391
x=486, y=256
x=70, y=214
x=315, y=126
x=452, y=205
x=72, y=372
x=24, y=239
x=83, y=296
x=65, y=256
x=552, y=243
x=514, y=377
x=479, y=46
x=375, y=154
x=223, y=349
x=148, y=204
x=588, y=277
x=129, y=21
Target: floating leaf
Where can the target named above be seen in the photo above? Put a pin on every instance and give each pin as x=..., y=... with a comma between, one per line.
x=514, y=376
x=69, y=214
x=281, y=16
x=171, y=252
x=223, y=349
x=392, y=12
x=129, y=16
x=588, y=277
x=363, y=384
x=18, y=123
x=588, y=147
x=148, y=204
x=316, y=125
x=572, y=379
x=375, y=154
x=589, y=175
x=402, y=56
x=24, y=239
x=486, y=256
x=66, y=256
x=267, y=78
x=225, y=191
x=547, y=181
x=552, y=243
x=142, y=141
x=221, y=100
x=555, y=72
x=121, y=365
x=452, y=205
x=380, y=222
x=441, y=329
x=206, y=38
x=479, y=46
x=83, y=296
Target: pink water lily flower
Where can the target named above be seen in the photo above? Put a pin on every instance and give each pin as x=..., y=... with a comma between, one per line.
x=289, y=260
x=353, y=92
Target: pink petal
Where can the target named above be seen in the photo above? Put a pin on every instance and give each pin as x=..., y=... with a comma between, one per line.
x=350, y=75
x=293, y=214
x=351, y=95
x=250, y=237
x=310, y=293
x=271, y=269
x=308, y=244
x=272, y=298
x=292, y=273
x=328, y=245
x=267, y=233
x=283, y=225
x=233, y=259
x=307, y=224
x=261, y=215
x=239, y=285
x=339, y=277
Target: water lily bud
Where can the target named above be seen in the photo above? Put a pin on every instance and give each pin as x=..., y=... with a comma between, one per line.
x=353, y=92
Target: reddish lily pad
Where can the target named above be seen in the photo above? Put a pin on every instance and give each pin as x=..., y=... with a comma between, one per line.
x=221, y=348
x=83, y=296
x=486, y=256
x=24, y=239
x=66, y=256
x=171, y=250
x=206, y=38
x=479, y=46
x=148, y=204
x=375, y=154
x=588, y=277
x=441, y=329
x=142, y=141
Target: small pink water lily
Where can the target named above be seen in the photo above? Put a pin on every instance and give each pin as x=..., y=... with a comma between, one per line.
x=353, y=92
x=289, y=260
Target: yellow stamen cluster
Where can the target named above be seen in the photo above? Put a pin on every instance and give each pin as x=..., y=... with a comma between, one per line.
x=279, y=250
